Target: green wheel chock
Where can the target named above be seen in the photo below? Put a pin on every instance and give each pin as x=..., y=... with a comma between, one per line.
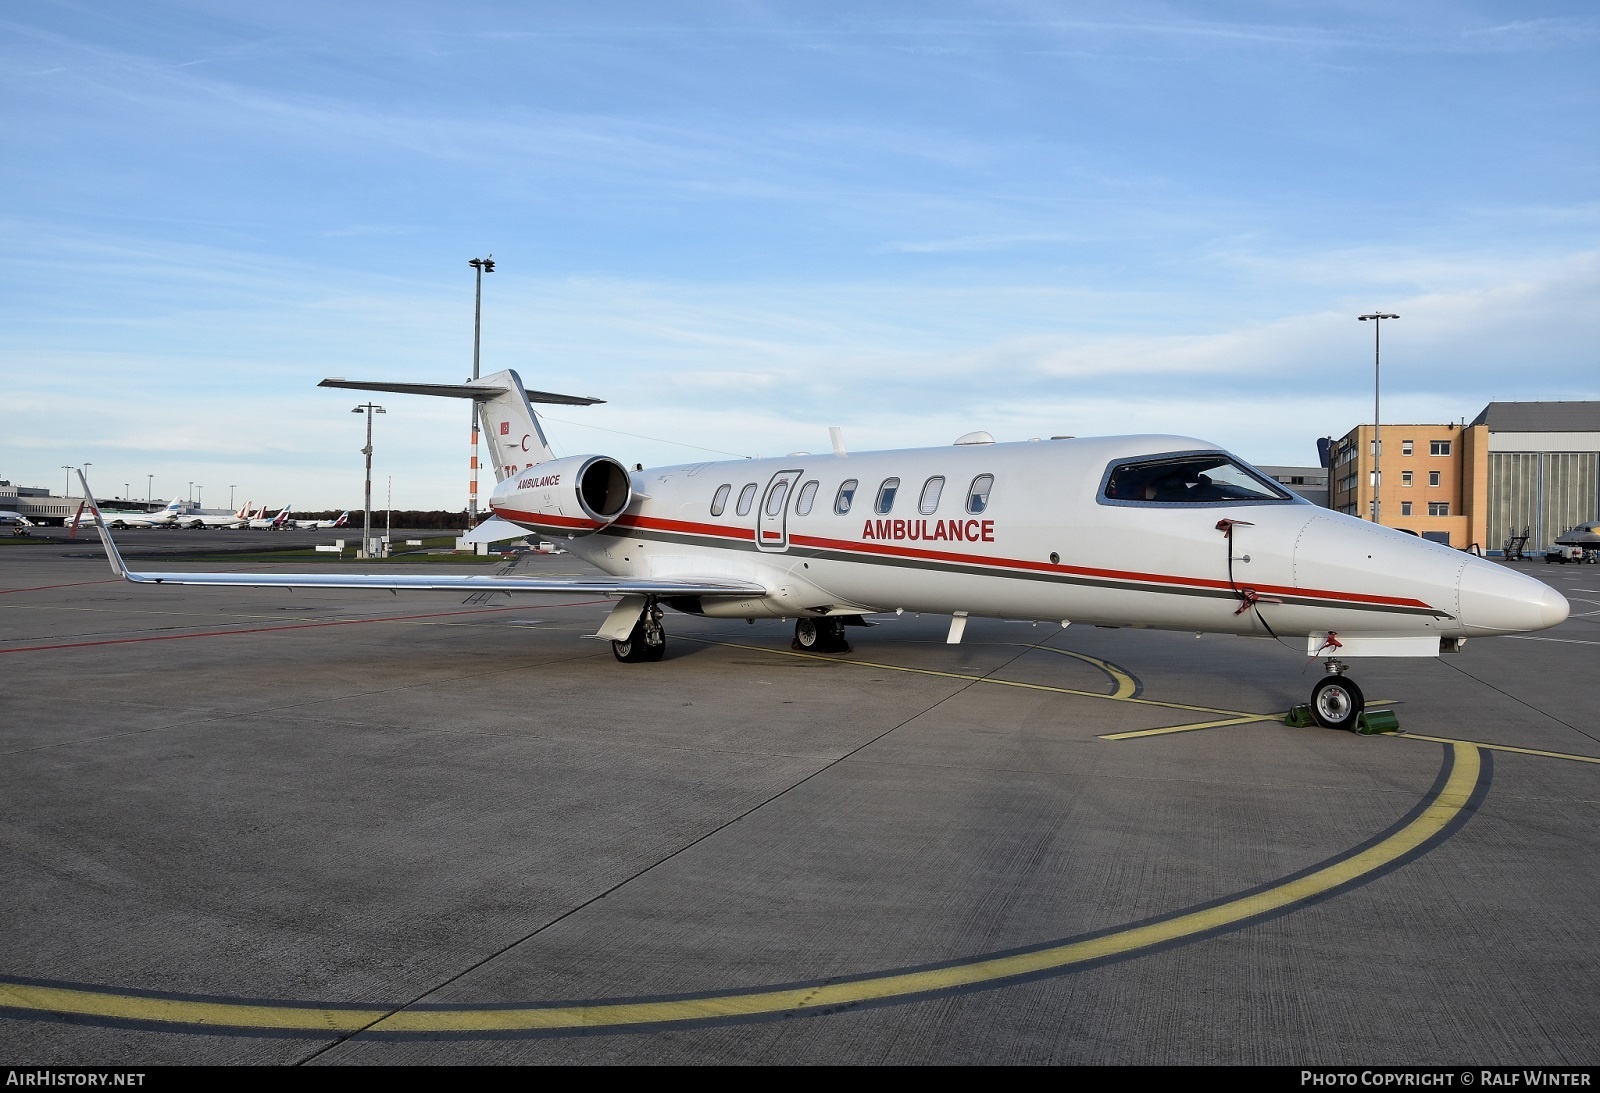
x=1299, y=717
x=1376, y=721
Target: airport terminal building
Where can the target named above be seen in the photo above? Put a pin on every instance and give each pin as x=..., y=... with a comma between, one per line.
x=1518, y=466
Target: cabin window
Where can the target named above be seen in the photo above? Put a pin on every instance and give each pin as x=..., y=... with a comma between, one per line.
x=804, y=500
x=978, y=493
x=1189, y=479
x=931, y=489
x=886, y=492
x=1438, y=447
x=747, y=497
x=847, y=494
x=720, y=500
x=776, y=497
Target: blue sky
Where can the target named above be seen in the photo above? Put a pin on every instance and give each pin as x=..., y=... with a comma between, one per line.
x=741, y=223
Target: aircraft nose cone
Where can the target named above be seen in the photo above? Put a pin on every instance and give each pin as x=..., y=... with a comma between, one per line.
x=1497, y=600
x=1553, y=607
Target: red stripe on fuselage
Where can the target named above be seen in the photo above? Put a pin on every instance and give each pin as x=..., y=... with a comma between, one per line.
x=736, y=534
x=539, y=519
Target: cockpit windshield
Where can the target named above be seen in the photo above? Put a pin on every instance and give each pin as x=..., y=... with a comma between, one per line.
x=1189, y=479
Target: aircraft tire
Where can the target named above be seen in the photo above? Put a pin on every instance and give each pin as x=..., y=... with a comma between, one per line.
x=808, y=635
x=819, y=636
x=648, y=642
x=1336, y=702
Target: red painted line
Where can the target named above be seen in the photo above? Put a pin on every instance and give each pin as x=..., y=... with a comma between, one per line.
x=294, y=626
x=850, y=546
x=885, y=550
x=547, y=520
x=69, y=584
x=688, y=527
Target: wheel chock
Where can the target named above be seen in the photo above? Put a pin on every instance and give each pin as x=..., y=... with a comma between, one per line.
x=1372, y=722
x=1300, y=717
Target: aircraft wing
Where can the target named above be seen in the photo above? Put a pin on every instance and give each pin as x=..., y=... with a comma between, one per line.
x=420, y=582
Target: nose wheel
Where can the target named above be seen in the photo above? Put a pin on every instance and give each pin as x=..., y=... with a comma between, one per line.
x=1336, y=702
x=820, y=636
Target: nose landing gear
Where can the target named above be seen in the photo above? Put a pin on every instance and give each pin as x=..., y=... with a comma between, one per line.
x=1336, y=702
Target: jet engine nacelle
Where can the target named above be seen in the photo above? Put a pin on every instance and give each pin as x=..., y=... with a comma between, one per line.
x=579, y=494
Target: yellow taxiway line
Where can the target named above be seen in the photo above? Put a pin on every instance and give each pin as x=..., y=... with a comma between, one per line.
x=1500, y=747
x=1430, y=822
x=1125, y=685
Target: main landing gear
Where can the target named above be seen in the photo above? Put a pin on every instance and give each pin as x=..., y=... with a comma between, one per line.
x=647, y=642
x=1336, y=702
x=820, y=636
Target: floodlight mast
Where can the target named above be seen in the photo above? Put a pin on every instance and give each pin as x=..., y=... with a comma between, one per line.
x=1377, y=318
x=369, y=409
x=482, y=266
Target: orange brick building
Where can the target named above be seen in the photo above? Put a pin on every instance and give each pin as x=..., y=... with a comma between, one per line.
x=1531, y=466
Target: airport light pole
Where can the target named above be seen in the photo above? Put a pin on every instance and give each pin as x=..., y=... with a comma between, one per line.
x=197, y=503
x=482, y=265
x=369, y=409
x=149, y=487
x=1376, y=318
x=68, y=468
x=230, y=498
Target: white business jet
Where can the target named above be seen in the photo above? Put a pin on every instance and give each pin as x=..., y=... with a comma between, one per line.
x=176, y=514
x=161, y=518
x=1161, y=532
x=262, y=522
x=339, y=521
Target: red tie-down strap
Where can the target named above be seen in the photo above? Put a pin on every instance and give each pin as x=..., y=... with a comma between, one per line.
x=1330, y=643
x=1249, y=597
x=1226, y=526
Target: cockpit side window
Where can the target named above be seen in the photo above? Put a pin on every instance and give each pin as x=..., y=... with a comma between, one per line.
x=720, y=500
x=1191, y=478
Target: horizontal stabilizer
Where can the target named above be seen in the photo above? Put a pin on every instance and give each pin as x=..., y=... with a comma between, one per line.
x=481, y=392
x=494, y=530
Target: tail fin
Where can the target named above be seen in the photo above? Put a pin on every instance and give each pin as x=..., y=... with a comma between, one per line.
x=282, y=517
x=505, y=408
x=344, y=518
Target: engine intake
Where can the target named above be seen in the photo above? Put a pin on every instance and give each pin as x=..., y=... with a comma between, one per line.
x=577, y=495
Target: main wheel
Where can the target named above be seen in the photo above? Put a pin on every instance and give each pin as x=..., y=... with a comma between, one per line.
x=819, y=636
x=808, y=635
x=1336, y=703
x=647, y=642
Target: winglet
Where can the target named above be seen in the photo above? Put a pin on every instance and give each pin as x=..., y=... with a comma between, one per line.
x=117, y=565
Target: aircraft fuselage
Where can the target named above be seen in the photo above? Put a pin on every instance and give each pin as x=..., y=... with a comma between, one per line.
x=1047, y=537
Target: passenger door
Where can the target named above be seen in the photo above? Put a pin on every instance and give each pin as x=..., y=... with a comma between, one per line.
x=772, y=515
